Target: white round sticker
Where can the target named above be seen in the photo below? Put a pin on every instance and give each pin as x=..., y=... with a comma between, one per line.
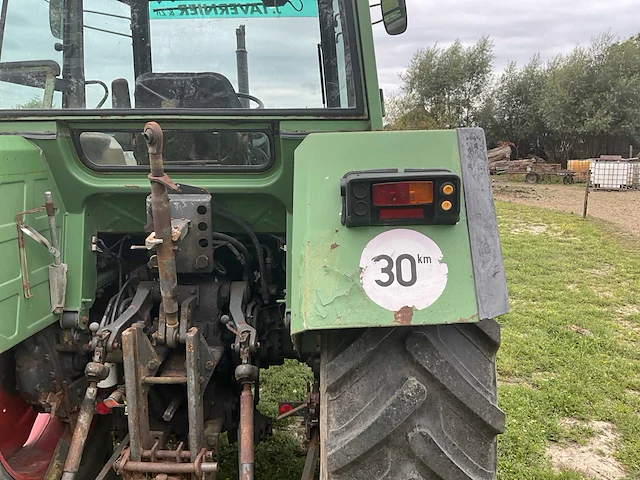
x=403, y=268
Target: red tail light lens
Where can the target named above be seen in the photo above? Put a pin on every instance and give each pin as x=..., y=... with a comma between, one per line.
x=401, y=213
x=402, y=193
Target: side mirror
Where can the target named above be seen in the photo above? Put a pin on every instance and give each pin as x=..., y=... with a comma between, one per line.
x=56, y=18
x=394, y=16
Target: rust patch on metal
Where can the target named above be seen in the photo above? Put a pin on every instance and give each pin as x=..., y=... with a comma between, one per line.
x=334, y=246
x=403, y=316
x=472, y=318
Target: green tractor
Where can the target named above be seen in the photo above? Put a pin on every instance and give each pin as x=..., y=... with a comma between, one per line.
x=191, y=192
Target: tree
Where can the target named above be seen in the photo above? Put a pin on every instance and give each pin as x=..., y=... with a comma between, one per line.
x=34, y=102
x=593, y=95
x=512, y=111
x=577, y=105
x=444, y=88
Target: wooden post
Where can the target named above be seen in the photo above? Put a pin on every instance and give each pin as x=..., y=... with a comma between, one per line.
x=586, y=194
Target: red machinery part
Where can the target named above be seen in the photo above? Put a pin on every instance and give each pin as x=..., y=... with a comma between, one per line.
x=285, y=408
x=28, y=439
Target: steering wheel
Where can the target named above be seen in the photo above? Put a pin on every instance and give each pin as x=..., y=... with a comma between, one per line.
x=252, y=98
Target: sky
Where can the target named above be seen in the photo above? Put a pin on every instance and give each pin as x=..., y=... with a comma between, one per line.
x=282, y=51
x=518, y=28
x=283, y=56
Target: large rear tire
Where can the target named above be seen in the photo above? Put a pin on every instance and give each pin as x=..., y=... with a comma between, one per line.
x=410, y=403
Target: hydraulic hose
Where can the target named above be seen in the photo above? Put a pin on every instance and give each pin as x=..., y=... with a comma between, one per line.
x=240, y=247
x=264, y=289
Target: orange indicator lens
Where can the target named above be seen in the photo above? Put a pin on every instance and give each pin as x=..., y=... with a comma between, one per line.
x=402, y=193
x=447, y=189
x=446, y=205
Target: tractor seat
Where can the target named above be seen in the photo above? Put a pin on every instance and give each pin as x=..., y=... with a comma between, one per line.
x=191, y=90
x=185, y=90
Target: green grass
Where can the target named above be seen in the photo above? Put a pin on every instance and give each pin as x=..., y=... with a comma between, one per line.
x=562, y=272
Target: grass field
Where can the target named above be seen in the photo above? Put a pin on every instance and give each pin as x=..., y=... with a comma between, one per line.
x=569, y=366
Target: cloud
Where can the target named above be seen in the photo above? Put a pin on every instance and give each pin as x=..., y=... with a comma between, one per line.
x=518, y=28
x=282, y=52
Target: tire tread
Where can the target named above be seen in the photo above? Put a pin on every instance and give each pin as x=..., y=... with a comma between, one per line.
x=411, y=403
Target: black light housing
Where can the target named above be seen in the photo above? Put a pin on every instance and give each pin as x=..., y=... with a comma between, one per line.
x=391, y=197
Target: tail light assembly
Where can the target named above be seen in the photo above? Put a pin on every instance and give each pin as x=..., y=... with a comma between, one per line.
x=391, y=197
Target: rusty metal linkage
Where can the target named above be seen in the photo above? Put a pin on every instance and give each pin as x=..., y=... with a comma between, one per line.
x=161, y=209
x=80, y=433
x=140, y=360
x=24, y=267
x=246, y=374
x=199, y=467
x=112, y=460
x=195, y=409
x=95, y=371
x=246, y=433
x=313, y=453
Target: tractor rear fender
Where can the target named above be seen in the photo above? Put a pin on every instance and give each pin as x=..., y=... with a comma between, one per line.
x=392, y=275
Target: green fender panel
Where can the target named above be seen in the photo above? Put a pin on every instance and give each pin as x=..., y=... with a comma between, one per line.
x=24, y=177
x=328, y=266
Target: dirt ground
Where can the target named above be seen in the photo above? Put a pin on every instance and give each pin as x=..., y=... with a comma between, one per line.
x=619, y=207
x=595, y=458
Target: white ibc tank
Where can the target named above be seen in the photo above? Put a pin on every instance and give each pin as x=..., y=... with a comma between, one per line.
x=611, y=175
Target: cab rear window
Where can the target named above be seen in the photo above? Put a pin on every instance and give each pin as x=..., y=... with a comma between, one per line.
x=183, y=150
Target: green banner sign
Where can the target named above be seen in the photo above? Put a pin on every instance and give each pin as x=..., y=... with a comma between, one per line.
x=188, y=9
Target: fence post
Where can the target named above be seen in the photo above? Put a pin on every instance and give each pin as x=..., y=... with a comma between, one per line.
x=586, y=194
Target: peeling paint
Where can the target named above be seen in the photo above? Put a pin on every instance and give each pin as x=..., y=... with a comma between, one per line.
x=403, y=316
x=334, y=246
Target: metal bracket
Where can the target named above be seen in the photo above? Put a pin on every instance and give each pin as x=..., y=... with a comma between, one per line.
x=243, y=329
x=38, y=237
x=179, y=228
x=58, y=270
x=140, y=361
x=139, y=310
x=186, y=309
x=152, y=242
x=164, y=180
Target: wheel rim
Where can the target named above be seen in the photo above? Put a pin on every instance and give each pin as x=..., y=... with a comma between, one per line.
x=27, y=451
